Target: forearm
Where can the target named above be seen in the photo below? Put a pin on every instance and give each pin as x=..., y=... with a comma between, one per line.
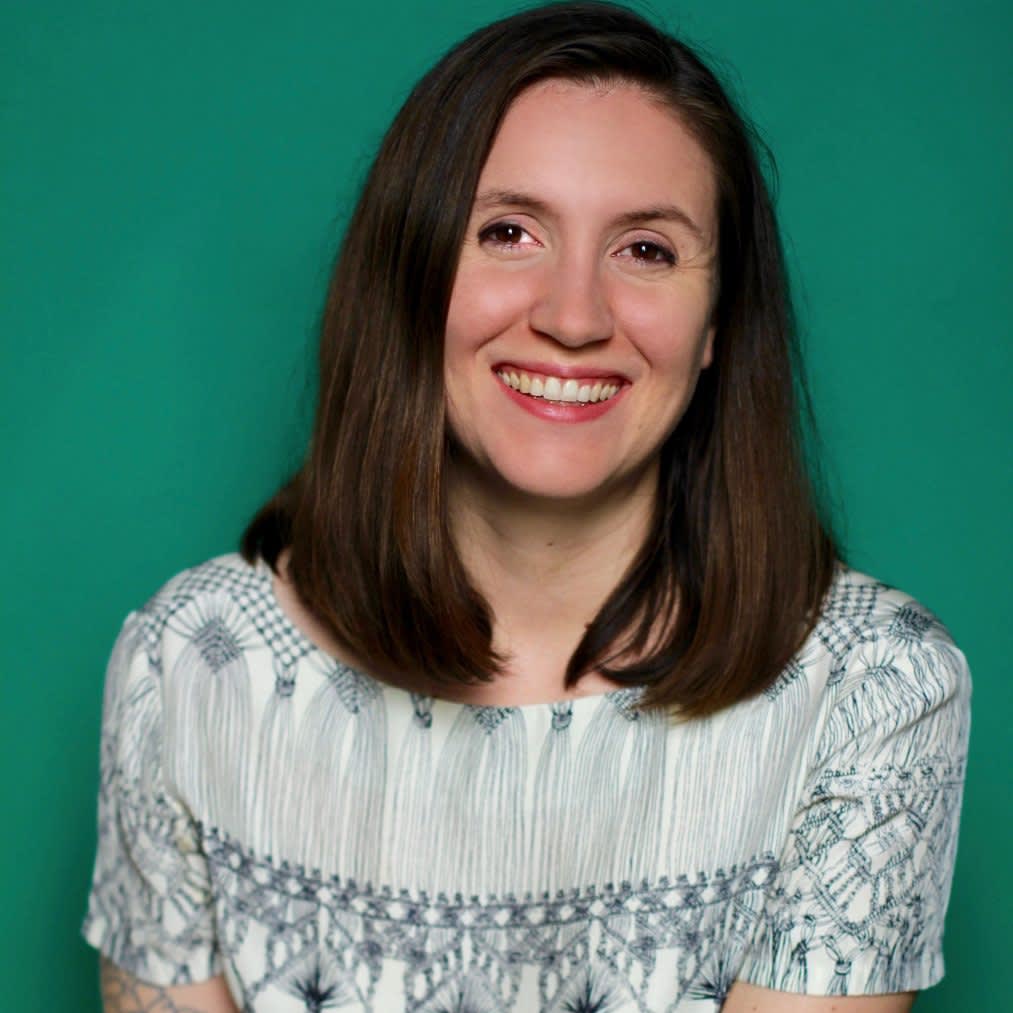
x=123, y=993
x=746, y=998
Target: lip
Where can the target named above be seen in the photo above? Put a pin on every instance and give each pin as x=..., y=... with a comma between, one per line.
x=559, y=411
x=564, y=372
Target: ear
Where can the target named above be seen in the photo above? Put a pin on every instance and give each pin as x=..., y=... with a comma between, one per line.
x=708, y=348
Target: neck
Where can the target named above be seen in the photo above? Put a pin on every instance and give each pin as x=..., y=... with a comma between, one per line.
x=545, y=567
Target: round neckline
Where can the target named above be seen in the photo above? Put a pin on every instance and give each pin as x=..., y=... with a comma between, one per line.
x=311, y=647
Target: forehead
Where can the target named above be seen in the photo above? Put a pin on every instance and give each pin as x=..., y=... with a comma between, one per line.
x=608, y=145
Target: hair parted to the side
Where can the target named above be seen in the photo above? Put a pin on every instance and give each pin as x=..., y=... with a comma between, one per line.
x=738, y=559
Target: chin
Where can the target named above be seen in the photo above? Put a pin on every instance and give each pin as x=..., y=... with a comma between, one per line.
x=532, y=473
x=551, y=483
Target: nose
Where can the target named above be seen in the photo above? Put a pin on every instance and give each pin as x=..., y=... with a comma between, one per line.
x=572, y=307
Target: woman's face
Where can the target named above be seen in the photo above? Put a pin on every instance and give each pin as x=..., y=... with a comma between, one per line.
x=580, y=316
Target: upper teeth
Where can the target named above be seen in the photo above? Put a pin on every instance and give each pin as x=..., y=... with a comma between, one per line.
x=555, y=388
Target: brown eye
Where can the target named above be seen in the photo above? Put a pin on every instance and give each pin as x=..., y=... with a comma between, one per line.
x=650, y=253
x=503, y=233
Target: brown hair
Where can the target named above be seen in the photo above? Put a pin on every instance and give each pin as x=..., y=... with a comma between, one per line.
x=737, y=561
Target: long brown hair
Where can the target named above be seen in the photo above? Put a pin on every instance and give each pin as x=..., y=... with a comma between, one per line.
x=738, y=559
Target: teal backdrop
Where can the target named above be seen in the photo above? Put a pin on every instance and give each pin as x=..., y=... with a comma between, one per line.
x=174, y=179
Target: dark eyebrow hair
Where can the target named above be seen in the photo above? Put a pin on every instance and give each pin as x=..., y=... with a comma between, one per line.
x=660, y=212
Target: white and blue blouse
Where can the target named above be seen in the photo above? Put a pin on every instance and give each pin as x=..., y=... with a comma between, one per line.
x=329, y=842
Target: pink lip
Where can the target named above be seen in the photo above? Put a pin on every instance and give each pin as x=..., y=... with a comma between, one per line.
x=555, y=369
x=559, y=411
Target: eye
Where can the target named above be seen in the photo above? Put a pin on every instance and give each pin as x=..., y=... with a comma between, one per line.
x=508, y=234
x=646, y=251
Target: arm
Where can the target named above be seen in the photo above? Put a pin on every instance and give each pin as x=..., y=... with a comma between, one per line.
x=123, y=993
x=746, y=998
x=857, y=906
x=150, y=909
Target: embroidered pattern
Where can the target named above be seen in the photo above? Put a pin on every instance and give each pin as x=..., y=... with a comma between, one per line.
x=630, y=925
x=345, y=845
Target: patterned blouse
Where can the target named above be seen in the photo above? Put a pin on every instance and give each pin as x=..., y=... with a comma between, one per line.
x=329, y=842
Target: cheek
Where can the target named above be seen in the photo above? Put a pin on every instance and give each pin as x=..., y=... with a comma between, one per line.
x=483, y=304
x=670, y=333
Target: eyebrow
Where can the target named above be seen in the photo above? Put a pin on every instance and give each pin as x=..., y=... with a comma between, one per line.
x=659, y=212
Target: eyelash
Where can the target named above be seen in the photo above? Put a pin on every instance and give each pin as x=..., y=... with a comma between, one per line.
x=666, y=255
x=661, y=254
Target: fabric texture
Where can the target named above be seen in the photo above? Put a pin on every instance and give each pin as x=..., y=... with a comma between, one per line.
x=330, y=842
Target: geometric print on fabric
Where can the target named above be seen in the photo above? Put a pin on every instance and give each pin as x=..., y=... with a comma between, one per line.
x=606, y=942
x=863, y=882
x=244, y=588
x=844, y=620
x=332, y=842
x=865, y=899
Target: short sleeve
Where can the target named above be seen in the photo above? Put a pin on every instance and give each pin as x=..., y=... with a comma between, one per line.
x=858, y=904
x=150, y=905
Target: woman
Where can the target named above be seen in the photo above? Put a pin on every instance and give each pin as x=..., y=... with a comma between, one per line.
x=539, y=687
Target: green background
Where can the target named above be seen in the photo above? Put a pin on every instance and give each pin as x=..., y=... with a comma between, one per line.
x=175, y=178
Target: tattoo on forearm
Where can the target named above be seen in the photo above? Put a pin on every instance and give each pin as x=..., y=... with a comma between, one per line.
x=123, y=993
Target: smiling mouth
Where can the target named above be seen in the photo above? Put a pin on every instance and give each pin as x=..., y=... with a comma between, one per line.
x=566, y=390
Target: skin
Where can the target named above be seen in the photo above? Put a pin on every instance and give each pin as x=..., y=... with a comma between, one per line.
x=745, y=998
x=550, y=271
x=123, y=993
x=548, y=515
x=555, y=270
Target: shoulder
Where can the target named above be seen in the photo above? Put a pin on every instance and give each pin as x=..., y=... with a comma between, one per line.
x=228, y=574
x=897, y=683
x=858, y=608
x=219, y=605
x=211, y=625
x=860, y=613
